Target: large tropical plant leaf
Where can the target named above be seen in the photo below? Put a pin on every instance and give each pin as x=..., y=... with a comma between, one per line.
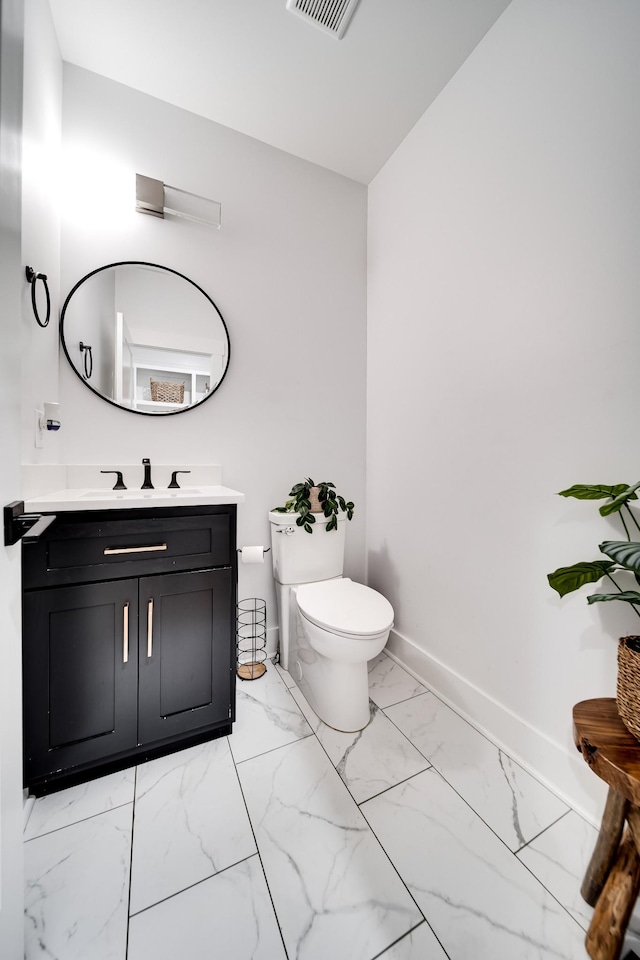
x=630, y=596
x=595, y=491
x=567, y=579
x=625, y=553
x=623, y=497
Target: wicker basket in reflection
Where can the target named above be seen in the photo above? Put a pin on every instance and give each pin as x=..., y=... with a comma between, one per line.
x=167, y=392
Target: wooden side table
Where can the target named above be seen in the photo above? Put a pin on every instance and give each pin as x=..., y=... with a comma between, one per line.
x=612, y=880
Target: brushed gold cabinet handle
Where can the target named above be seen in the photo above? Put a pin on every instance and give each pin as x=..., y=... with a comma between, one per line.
x=125, y=633
x=150, y=628
x=109, y=551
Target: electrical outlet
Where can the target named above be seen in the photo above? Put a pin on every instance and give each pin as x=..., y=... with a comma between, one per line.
x=37, y=440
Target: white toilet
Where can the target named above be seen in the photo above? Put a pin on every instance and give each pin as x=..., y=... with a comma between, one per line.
x=329, y=626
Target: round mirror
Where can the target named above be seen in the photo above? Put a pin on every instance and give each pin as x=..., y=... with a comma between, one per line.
x=145, y=338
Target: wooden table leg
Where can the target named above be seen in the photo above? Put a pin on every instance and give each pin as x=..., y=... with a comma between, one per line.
x=606, y=847
x=615, y=904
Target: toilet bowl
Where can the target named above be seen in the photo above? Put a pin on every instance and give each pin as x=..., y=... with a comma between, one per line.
x=343, y=625
x=330, y=626
x=343, y=620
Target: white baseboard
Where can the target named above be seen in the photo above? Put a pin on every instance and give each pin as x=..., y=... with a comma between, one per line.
x=28, y=803
x=563, y=772
x=272, y=641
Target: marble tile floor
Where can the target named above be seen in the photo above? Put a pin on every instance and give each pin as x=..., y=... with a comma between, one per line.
x=416, y=839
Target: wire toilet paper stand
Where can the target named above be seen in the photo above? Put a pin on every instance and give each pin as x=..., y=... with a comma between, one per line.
x=251, y=638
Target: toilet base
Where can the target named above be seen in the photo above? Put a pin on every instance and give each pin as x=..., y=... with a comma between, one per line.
x=337, y=692
x=331, y=671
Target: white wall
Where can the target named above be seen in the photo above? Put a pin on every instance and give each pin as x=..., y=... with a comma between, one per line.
x=11, y=869
x=40, y=222
x=30, y=106
x=287, y=271
x=504, y=337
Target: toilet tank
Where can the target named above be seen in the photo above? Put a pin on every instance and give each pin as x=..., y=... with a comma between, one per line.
x=302, y=557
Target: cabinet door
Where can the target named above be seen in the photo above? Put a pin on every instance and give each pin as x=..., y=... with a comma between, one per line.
x=80, y=650
x=186, y=652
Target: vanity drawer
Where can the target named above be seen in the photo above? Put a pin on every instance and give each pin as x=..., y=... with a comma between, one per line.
x=113, y=549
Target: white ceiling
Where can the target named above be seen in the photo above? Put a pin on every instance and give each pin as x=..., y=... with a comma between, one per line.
x=252, y=65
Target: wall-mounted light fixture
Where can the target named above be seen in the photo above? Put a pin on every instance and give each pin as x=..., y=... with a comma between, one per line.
x=158, y=199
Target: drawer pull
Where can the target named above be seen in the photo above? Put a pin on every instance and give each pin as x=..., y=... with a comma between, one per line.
x=125, y=633
x=109, y=551
x=150, y=628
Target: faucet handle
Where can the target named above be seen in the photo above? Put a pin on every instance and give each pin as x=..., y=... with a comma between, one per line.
x=174, y=485
x=146, y=484
x=119, y=484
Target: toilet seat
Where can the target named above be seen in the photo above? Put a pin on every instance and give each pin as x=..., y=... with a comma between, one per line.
x=344, y=607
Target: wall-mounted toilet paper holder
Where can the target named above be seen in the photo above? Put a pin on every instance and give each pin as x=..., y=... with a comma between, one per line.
x=253, y=554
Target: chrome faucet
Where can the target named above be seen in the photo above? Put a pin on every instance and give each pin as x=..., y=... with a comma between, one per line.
x=147, y=485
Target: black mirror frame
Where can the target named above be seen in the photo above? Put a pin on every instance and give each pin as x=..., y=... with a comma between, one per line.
x=158, y=266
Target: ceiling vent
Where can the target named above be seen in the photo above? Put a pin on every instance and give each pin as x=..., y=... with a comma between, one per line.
x=330, y=16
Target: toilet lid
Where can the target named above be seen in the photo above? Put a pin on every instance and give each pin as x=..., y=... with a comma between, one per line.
x=343, y=606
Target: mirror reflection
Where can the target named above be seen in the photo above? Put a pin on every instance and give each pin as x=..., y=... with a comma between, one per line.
x=145, y=338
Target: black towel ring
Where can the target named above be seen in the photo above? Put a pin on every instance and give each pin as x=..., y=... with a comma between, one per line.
x=33, y=278
x=87, y=360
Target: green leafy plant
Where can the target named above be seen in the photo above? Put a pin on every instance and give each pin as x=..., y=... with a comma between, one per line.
x=330, y=501
x=624, y=555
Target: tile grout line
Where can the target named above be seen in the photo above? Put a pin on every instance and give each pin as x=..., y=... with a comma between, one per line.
x=133, y=820
x=396, y=703
x=191, y=886
x=404, y=884
x=393, y=866
x=402, y=734
x=514, y=853
x=475, y=812
x=441, y=775
x=544, y=830
x=489, y=827
x=411, y=696
x=312, y=732
x=380, y=956
x=72, y=823
x=398, y=784
x=470, y=805
x=384, y=790
x=271, y=749
x=357, y=805
x=501, y=748
x=351, y=797
x=255, y=840
x=551, y=894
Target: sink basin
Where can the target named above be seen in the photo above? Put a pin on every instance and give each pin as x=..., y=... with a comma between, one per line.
x=92, y=499
x=138, y=494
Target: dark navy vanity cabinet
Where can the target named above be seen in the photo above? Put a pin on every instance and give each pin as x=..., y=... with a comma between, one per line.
x=128, y=638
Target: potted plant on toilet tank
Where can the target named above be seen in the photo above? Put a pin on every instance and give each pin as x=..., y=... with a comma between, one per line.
x=307, y=498
x=623, y=559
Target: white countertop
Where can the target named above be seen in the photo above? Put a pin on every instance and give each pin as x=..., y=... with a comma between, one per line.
x=93, y=499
